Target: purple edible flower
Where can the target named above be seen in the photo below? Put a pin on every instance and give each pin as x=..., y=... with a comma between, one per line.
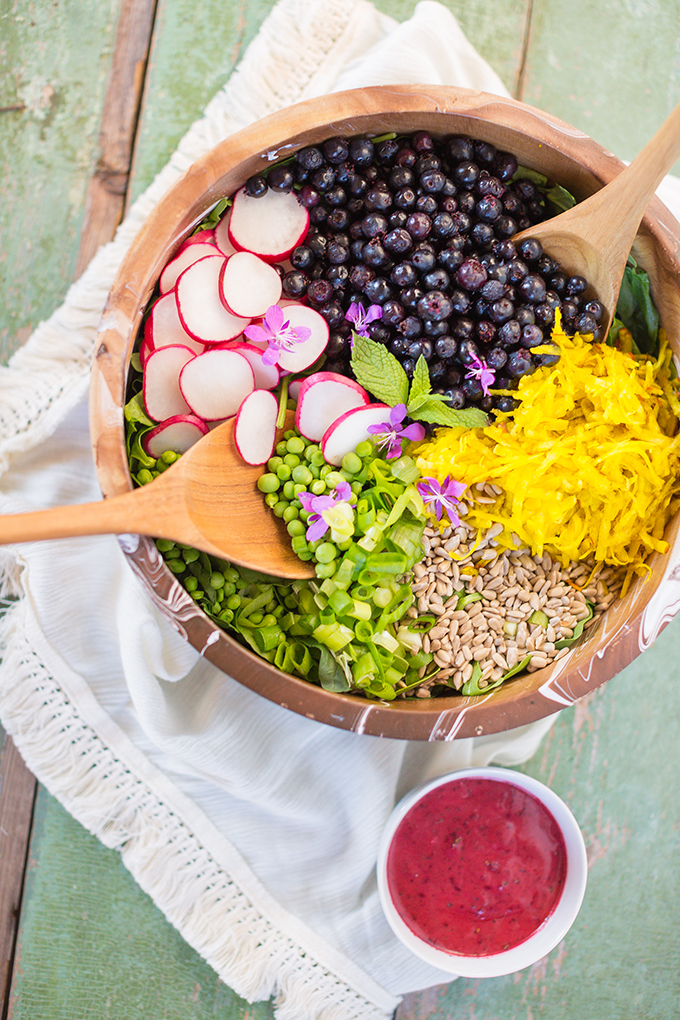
x=442, y=497
x=277, y=333
x=388, y=434
x=360, y=318
x=480, y=370
x=316, y=506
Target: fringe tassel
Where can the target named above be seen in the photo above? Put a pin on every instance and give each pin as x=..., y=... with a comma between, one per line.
x=159, y=849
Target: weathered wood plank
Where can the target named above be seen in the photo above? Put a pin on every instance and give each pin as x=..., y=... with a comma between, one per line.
x=54, y=62
x=107, y=189
x=17, y=795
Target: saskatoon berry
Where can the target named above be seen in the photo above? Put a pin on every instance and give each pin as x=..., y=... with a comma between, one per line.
x=333, y=313
x=509, y=333
x=387, y=150
x=401, y=177
x=399, y=346
x=337, y=346
x=324, y=178
x=320, y=292
x=446, y=347
x=338, y=252
x=427, y=163
x=505, y=165
x=336, y=150
x=460, y=148
x=408, y=364
x=318, y=214
x=482, y=235
x=496, y=358
x=484, y=152
x=302, y=257
x=506, y=404
x=451, y=259
x=437, y=279
x=493, y=289
x=378, y=290
x=361, y=151
x=466, y=174
x=472, y=388
x=419, y=225
x=505, y=250
x=338, y=219
x=295, y=284
x=525, y=315
x=570, y=310
x=373, y=225
x=558, y=283
x=489, y=208
x=432, y=181
x=379, y=198
x=360, y=276
x=424, y=258
x=406, y=157
x=435, y=305
x=461, y=301
x=404, y=275
x=310, y=158
x=410, y=296
x=506, y=226
x=357, y=185
x=532, y=288
x=435, y=329
x=256, y=186
x=443, y=225
x=468, y=352
x=501, y=310
x=471, y=275
x=393, y=313
x=398, y=241
x=405, y=198
x=437, y=372
x=377, y=331
x=594, y=308
x=280, y=178
x=486, y=331
x=546, y=265
x=519, y=363
x=576, y=285
x=338, y=276
x=530, y=249
x=411, y=327
x=374, y=253
x=532, y=336
x=455, y=398
x=422, y=142
x=336, y=196
x=397, y=220
x=427, y=204
x=585, y=323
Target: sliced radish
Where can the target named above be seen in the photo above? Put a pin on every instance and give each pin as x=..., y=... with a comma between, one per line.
x=323, y=398
x=216, y=385
x=145, y=348
x=350, y=429
x=302, y=355
x=201, y=311
x=294, y=389
x=269, y=226
x=177, y=434
x=164, y=328
x=255, y=427
x=222, y=235
x=162, y=396
x=201, y=237
x=249, y=285
x=186, y=257
x=266, y=376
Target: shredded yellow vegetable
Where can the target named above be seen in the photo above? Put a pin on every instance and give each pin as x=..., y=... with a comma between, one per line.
x=588, y=463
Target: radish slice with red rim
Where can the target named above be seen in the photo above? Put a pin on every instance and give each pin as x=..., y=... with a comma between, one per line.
x=303, y=355
x=200, y=307
x=206, y=236
x=269, y=226
x=162, y=395
x=222, y=235
x=187, y=255
x=178, y=434
x=163, y=326
x=216, y=385
x=322, y=399
x=255, y=427
x=266, y=376
x=249, y=285
x=350, y=429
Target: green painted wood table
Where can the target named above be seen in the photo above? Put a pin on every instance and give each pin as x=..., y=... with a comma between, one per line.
x=93, y=98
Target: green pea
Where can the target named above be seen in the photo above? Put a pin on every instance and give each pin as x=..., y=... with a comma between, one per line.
x=352, y=463
x=256, y=619
x=283, y=472
x=228, y=589
x=190, y=555
x=289, y=434
x=177, y=566
x=302, y=475
x=314, y=471
x=365, y=449
x=326, y=470
x=161, y=466
x=296, y=444
x=311, y=449
x=297, y=489
x=269, y=620
x=197, y=595
x=234, y=602
x=290, y=514
x=272, y=498
x=191, y=584
x=217, y=580
x=295, y=528
x=169, y=456
x=164, y=545
x=326, y=552
x=274, y=462
x=144, y=476
x=325, y=569
x=334, y=478
x=292, y=460
x=318, y=459
x=289, y=489
x=318, y=487
x=280, y=508
x=356, y=488
x=231, y=574
x=226, y=615
x=282, y=448
x=268, y=482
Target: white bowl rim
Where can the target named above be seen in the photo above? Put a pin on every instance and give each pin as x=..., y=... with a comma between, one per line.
x=556, y=925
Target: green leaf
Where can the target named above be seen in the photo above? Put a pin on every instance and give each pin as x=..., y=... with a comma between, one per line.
x=378, y=371
x=559, y=198
x=434, y=410
x=420, y=384
x=637, y=311
x=332, y=676
x=135, y=413
x=524, y=173
x=578, y=630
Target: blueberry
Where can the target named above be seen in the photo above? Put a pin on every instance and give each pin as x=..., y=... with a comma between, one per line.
x=281, y=179
x=455, y=398
x=509, y=333
x=519, y=363
x=404, y=275
x=256, y=186
x=310, y=158
x=419, y=225
x=398, y=241
x=295, y=283
x=530, y=249
x=446, y=347
x=532, y=288
x=435, y=305
x=336, y=150
x=471, y=275
x=411, y=327
x=361, y=151
x=373, y=225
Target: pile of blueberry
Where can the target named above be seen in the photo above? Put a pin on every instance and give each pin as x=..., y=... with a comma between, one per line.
x=422, y=226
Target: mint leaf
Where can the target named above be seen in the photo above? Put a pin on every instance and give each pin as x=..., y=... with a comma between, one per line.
x=378, y=371
x=436, y=411
x=420, y=384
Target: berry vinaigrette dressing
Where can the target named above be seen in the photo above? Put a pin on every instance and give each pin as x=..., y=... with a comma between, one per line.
x=476, y=866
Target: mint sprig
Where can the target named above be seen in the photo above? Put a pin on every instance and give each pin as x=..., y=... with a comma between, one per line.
x=378, y=371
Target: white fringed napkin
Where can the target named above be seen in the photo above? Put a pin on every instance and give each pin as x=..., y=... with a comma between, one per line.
x=253, y=829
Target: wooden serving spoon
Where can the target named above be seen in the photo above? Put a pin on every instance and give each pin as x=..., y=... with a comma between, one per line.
x=593, y=239
x=207, y=499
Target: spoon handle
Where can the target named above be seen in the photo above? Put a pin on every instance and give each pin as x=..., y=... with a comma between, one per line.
x=140, y=511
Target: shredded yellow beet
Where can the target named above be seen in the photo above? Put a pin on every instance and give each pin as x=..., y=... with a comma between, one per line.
x=588, y=463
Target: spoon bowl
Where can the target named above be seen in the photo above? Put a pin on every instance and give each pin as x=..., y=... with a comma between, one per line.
x=207, y=499
x=593, y=239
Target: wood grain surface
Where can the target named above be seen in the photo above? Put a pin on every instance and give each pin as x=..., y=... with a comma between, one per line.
x=91, y=944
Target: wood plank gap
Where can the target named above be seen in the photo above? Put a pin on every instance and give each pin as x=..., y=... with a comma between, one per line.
x=17, y=802
x=521, y=75
x=106, y=193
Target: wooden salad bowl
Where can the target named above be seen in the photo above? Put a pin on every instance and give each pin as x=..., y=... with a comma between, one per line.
x=541, y=142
